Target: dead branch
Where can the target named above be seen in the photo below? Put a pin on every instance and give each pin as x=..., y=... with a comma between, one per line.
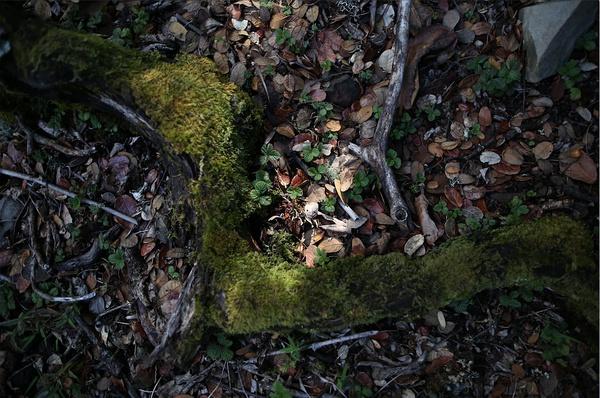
x=375, y=153
x=39, y=181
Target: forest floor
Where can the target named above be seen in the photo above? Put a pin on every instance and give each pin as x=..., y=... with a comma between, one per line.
x=475, y=147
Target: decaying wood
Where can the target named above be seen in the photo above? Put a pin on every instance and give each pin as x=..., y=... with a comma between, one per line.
x=375, y=153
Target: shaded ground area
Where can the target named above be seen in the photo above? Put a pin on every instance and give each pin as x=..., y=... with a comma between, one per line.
x=475, y=147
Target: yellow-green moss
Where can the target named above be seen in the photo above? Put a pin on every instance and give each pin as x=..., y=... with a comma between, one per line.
x=265, y=292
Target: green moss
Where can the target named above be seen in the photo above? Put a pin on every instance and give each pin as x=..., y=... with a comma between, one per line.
x=266, y=292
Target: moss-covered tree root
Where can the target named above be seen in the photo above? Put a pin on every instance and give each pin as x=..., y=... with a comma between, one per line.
x=260, y=292
x=244, y=291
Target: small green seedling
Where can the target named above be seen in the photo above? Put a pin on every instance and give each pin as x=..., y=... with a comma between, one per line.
x=117, y=259
x=432, y=113
x=268, y=154
x=405, y=127
x=323, y=110
x=326, y=65
x=556, y=344
x=279, y=391
x=474, y=225
x=220, y=350
x=496, y=82
x=310, y=153
x=317, y=173
x=571, y=75
x=328, y=205
x=261, y=188
x=365, y=75
x=293, y=349
x=284, y=37
x=587, y=41
x=517, y=210
x=321, y=257
x=377, y=110
x=361, y=182
x=418, y=184
x=442, y=208
x=392, y=159
x=294, y=192
x=172, y=271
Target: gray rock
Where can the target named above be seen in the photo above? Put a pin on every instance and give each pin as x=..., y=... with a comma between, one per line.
x=549, y=32
x=466, y=36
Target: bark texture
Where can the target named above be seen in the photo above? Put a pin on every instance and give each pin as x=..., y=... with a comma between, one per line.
x=184, y=107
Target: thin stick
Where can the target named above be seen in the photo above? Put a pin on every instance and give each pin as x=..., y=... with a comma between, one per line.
x=62, y=149
x=39, y=181
x=321, y=344
x=59, y=299
x=375, y=153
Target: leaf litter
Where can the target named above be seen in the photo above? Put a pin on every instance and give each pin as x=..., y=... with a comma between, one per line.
x=471, y=145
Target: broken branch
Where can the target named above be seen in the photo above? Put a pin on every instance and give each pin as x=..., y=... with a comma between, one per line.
x=39, y=181
x=375, y=153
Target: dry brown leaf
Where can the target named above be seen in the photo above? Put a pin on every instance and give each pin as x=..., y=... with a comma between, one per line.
x=453, y=196
x=485, y=117
x=512, y=156
x=328, y=45
x=309, y=256
x=584, y=169
x=362, y=115
x=543, y=150
x=277, y=21
x=430, y=230
x=331, y=245
x=312, y=14
x=358, y=247
x=435, y=149
x=333, y=125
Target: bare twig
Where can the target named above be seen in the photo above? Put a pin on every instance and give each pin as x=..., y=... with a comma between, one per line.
x=32, y=136
x=39, y=181
x=60, y=299
x=326, y=343
x=62, y=149
x=375, y=153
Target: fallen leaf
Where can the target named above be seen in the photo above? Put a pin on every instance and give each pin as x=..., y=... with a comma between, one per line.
x=331, y=245
x=584, y=169
x=413, y=244
x=168, y=296
x=584, y=113
x=512, y=156
x=453, y=196
x=386, y=60
x=543, y=150
x=489, y=157
x=429, y=228
x=309, y=256
x=362, y=115
x=358, y=247
x=485, y=117
x=435, y=149
x=328, y=44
